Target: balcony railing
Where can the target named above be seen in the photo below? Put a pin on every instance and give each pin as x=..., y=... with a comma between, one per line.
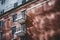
x=21, y=19
x=21, y=31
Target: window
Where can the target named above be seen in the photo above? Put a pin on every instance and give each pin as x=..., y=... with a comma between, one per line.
x=23, y=27
x=13, y=29
x=1, y=24
x=2, y=1
x=2, y=11
x=0, y=35
x=23, y=13
x=15, y=4
x=23, y=1
x=14, y=17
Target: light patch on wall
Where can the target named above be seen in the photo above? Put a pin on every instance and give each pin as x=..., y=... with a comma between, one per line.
x=52, y=16
x=51, y=3
x=33, y=11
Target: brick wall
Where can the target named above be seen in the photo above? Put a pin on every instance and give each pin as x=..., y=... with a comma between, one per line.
x=40, y=22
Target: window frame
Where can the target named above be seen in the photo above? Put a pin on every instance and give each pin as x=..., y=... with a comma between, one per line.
x=15, y=4
x=2, y=1
x=14, y=17
x=13, y=29
x=23, y=1
x=23, y=13
x=23, y=26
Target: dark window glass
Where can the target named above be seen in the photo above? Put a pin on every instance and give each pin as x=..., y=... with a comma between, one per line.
x=2, y=11
x=1, y=24
x=23, y=1
x=23, y=37
x=23, y=27
x=15, y=4
x=2, y=1
x=14, y=17
x=23, y=13
x=13, y=29
x=0, y=35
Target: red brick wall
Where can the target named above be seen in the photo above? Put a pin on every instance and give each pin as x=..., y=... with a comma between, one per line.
x=40, y=22
x=43, y=26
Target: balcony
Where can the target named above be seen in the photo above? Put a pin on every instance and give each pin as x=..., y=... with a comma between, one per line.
x=20, y=20
x=21, y=17
x=20, y=33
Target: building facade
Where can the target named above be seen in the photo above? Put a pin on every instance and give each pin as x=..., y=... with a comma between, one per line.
x=29, y=20
x=6, y=5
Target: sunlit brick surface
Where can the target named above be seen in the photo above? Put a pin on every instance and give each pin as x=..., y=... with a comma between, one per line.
x=43, y=24
x=43, y=27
